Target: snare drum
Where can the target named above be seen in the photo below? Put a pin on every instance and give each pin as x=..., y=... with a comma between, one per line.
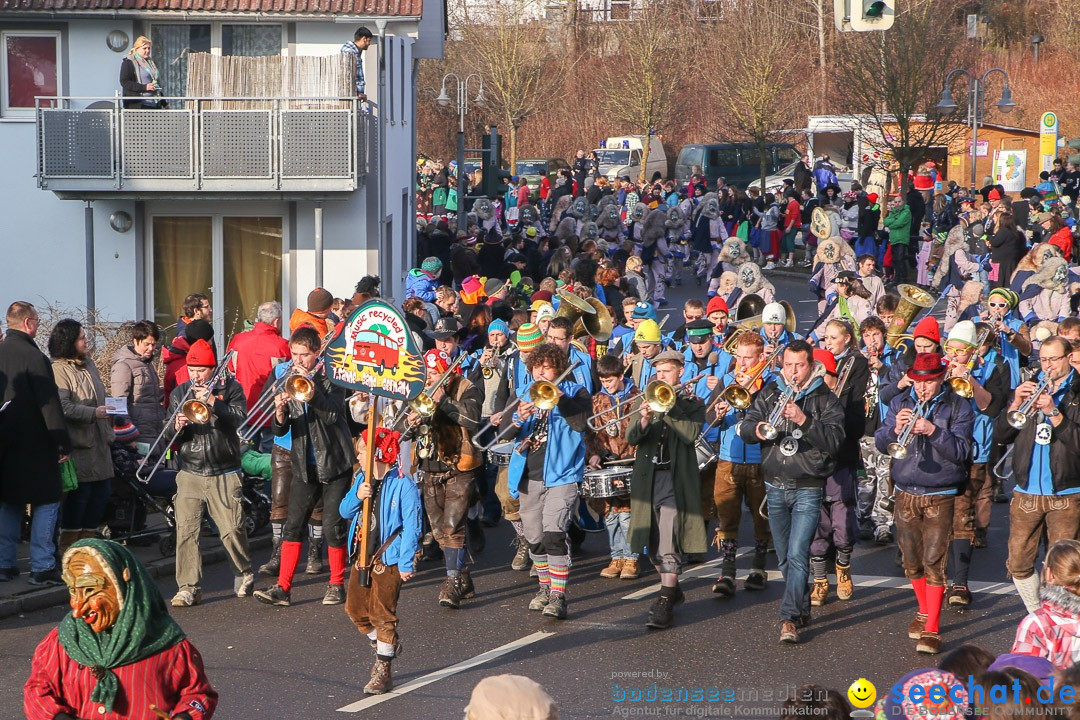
x=606, y=482
x=500, y=454
x=706, y=453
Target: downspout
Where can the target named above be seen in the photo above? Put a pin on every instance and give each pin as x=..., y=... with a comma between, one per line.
x=380, y=25
x=88, y=230
x=318, y=245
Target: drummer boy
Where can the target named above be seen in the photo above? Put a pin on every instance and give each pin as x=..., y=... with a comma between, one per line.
x=612, y=405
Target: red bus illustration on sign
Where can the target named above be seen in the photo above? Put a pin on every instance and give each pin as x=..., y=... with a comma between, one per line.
x=371, y=347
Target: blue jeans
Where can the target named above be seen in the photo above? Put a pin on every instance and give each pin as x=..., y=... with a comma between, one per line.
x=793, y=517
x=42, y=535
x=618, y=526
x=84, y=507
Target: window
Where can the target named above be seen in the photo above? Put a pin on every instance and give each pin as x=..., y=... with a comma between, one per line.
x=723, y=157
x=619, y=10
x=172, y=43
x=786, y=155
x=29, y=67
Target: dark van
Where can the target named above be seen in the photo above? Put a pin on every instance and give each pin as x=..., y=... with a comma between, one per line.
x=737, y=163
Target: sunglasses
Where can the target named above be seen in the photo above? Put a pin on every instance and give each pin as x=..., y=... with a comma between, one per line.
x=998, y=305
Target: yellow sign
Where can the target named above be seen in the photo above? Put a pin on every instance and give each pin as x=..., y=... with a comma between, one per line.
x=954, y=160
x=1048, y=137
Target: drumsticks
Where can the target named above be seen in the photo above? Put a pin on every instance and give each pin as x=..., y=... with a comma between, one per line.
x=159, y=713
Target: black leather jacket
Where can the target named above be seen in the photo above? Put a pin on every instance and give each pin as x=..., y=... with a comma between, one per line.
x=1064, y=443
x=213, y=448
x=819, y=446
x=324, y=426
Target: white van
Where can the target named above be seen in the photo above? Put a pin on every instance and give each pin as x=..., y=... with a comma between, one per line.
x=622, y=156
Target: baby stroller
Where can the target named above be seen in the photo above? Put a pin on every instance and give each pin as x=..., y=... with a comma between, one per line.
x=133, y=501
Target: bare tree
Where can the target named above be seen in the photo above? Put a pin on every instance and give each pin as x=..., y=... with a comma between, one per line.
x=642, y=78
x=520, y=71
x=892, y=81
x=759, y=89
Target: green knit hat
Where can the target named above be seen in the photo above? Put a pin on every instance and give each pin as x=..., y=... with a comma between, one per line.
x=529, y=337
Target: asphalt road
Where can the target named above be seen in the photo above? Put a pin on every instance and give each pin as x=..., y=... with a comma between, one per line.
x=308, y=661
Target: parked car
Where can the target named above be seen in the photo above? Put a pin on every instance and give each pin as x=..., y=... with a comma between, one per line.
x=621, y=156
x=775, y=181
x=532, y=169
x=738, y=163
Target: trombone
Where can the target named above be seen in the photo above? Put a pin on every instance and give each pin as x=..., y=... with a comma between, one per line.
x=736, y=395
x=291, y=381
x=962, y=385
x=659, y=395
x=195, y=410
x=542, y=394
x=899, y=449
x=422, y=404
x=1019, y=418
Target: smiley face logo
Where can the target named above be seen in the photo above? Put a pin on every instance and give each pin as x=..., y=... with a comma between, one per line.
x=862, y=693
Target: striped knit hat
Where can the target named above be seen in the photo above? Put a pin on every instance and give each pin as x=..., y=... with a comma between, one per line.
x=529, y=337
x=126, y=432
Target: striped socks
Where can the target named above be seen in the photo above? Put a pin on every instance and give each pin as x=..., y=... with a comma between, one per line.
x=558, y=575
x=542, y=571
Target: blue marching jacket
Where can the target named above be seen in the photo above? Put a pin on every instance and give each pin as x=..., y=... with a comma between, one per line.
x=935, y=463
x=399, y=508
x=564, y=451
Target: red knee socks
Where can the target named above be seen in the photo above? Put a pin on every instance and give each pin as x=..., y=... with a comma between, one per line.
x=935, y=594
x=918, y=585
x=337, y=565
x=290, y=556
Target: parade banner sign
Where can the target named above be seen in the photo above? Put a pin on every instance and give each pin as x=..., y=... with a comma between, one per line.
x=375, y=352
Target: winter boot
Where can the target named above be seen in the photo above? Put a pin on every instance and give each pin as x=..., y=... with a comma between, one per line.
x=819, y=592
x=380, y=681
x=521, y=554
x=844, y=586
x=271, y=566
x=314, y=556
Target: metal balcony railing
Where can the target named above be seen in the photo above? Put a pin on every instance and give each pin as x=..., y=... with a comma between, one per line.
x=233, y=145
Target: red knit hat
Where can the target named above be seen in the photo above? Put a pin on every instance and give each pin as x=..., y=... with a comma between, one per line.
x=927, y=366
x=928, y=328
x=717, y=304
x=826, y=358
x=872, y=197
x=993, y=195
x=387, y=445
x=201, y=355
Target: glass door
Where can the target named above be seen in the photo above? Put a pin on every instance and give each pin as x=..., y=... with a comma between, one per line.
x=251, y=269
x=233, y=260
x=182, y=258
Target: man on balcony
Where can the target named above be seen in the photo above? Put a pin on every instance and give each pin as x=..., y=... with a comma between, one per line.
x=361, y=41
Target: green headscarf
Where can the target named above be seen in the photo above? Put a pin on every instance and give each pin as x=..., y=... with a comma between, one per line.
x=143, y=626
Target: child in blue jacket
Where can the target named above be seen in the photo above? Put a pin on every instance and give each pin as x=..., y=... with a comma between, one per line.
x=395, y=509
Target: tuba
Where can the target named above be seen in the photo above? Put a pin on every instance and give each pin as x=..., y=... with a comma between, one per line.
x=912, y=300
x=597, y=325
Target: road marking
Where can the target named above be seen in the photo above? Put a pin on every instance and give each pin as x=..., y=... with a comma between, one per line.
x=866, y=581
x=445, y=672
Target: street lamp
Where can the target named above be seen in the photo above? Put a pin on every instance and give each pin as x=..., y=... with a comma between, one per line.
x=976, y=101
x=444, y=100
x=1036, y=40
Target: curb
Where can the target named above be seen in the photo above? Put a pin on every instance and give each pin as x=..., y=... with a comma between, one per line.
x=165, y=567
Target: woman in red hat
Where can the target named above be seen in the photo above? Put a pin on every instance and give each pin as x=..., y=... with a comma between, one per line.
x=926, y=338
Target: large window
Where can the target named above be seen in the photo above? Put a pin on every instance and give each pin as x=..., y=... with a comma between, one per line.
x=235, y=261
x=172, y=43
x=29, y=67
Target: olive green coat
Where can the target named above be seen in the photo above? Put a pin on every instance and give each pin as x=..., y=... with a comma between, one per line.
x=685, y=422
x=81, y=393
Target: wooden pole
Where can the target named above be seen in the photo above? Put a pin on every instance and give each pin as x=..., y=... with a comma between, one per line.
x=364, y=563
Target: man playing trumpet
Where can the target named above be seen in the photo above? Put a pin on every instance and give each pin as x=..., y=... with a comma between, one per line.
x=928, y=433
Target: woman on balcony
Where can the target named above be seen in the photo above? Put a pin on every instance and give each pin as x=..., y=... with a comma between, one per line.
x=139, y=77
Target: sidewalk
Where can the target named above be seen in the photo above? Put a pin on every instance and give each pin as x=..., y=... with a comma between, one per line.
x=19, y=596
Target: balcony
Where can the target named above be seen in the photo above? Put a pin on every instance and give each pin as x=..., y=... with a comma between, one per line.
x=95, y=148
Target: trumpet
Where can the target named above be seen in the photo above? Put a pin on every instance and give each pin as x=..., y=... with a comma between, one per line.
x=195, y=410
x=542, y=394
x=1019, y=418
x=422, y=404
x=962, y=385
x=899, y=449
x=769, y=429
